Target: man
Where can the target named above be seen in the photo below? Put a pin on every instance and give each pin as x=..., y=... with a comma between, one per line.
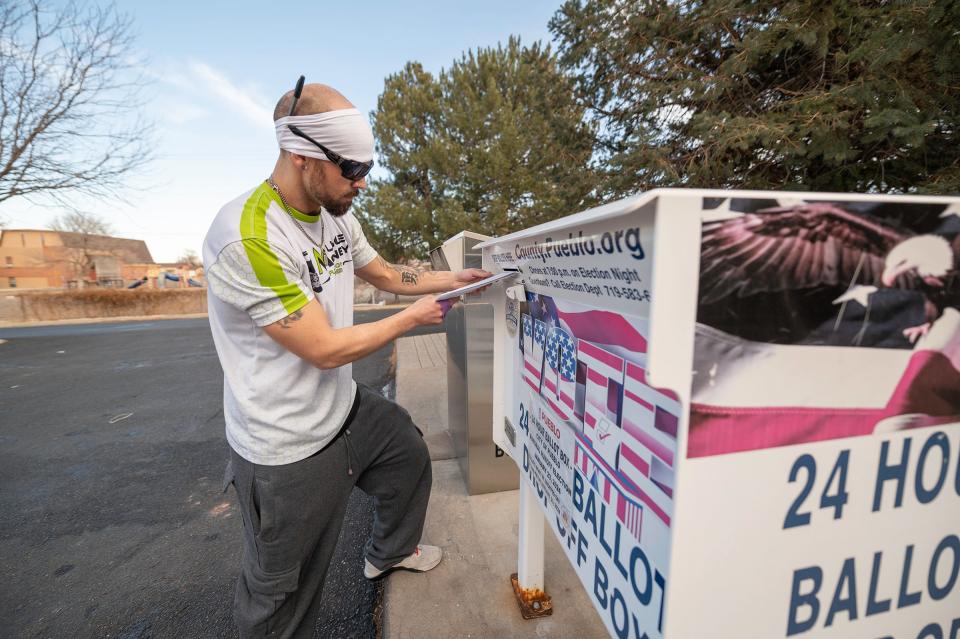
x=280, y=263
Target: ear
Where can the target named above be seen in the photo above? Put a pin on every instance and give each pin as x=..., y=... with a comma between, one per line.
x=299, y=161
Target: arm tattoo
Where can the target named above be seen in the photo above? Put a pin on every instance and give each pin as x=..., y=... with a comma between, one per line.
x=288, y=321
x=408, y=275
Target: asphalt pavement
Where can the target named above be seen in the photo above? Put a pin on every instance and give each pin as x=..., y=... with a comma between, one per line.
x=111, y=460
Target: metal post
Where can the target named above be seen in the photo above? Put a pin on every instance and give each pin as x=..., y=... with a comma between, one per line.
x=530, y=559
x=528, y=580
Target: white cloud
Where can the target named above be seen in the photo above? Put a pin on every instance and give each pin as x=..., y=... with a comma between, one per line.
x=243, y=102
x=181, y=113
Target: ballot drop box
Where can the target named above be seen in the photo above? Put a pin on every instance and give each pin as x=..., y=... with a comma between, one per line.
x=739, y=412
x=469, y=336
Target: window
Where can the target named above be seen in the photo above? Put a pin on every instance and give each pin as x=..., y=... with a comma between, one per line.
x=13, y=282
x=9, y=261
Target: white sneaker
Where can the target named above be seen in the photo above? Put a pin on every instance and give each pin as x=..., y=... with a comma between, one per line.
x=424, y=558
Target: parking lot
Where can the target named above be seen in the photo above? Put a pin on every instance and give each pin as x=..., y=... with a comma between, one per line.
x=111, y=460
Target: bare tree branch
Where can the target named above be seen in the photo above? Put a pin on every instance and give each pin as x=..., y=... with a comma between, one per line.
x=76, y=221
x=190, y=257
x=69, y=100
x=82, y=252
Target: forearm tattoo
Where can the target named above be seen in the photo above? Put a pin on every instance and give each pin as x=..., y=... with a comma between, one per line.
x=288, y=321
x=409, y=275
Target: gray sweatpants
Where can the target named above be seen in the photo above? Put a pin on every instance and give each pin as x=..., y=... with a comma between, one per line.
x=292, y=514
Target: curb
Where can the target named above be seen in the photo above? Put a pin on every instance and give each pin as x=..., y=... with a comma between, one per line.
x=150, y=318
x=101, y=320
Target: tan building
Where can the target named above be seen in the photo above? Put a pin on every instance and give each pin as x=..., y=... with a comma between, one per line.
x=40, y=258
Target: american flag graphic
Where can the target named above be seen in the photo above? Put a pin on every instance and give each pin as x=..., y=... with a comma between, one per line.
x=628, y=511
x=627, y=428
x=559, y=380
x=601, y=327
x=771, y=395
x=534, y=337
x=601, y=408
x=648, y=446
x=631, y=426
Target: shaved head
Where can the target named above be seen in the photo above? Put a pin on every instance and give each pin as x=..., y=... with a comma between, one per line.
x=315, y=98
x=309, y=180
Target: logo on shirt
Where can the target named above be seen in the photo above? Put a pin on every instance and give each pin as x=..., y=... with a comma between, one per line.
x=328, y=261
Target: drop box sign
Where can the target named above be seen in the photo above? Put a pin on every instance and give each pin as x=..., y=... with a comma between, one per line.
x=803, y=480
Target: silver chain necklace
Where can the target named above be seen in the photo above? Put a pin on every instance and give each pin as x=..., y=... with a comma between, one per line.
x=286, y=207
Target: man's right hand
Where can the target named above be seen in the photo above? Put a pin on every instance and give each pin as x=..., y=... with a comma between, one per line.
x=308, y=334
x=426, y=311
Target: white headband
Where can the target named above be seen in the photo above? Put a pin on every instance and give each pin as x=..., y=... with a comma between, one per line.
x=344, y=131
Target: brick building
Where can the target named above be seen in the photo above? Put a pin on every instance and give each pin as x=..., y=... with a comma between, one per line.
x=41, y=258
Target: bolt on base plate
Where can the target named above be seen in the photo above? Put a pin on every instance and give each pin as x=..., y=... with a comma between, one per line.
x=533, y=602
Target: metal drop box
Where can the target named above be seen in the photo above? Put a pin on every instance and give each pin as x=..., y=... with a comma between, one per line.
x=469, y=329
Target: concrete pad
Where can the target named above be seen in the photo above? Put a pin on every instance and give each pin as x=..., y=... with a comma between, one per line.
x=440, y=445
x=422, y=389
x=469, y=594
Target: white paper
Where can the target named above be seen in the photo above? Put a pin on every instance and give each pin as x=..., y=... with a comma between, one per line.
x=469, y=288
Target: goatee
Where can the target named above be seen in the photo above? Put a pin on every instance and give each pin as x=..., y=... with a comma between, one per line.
x=339, y=208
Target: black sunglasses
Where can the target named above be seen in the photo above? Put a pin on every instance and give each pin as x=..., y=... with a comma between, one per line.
x=350, y=169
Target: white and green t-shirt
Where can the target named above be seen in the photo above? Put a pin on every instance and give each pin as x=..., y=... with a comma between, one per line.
x=278, y=407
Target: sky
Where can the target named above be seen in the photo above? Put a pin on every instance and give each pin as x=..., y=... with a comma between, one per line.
x=215, y=69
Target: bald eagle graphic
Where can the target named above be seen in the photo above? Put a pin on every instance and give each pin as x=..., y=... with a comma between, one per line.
x=809, y=266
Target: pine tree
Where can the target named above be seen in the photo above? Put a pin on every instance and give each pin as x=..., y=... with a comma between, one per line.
x=825, y=95
x=494, y=144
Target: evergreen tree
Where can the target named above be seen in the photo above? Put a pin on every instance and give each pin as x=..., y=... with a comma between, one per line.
x=494, y=144
x=826, y=95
